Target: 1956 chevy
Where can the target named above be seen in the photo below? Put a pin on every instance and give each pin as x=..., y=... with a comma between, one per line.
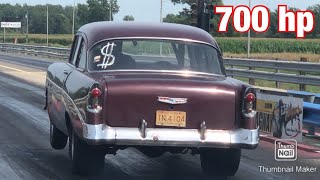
x=155, y=87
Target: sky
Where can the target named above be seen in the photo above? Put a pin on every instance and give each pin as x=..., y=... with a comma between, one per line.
x=149, y=10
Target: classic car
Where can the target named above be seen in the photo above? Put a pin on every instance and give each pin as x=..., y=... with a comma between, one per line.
x=154, y=87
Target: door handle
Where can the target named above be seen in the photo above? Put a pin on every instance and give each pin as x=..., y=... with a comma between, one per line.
x=65, y=72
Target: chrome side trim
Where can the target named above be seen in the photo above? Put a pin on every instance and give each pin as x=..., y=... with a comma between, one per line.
x=103, y=134
x=69, y=98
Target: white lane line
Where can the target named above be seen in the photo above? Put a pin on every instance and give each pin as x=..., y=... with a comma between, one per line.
x=21, y=85
x=15, y=69
x=22, y=64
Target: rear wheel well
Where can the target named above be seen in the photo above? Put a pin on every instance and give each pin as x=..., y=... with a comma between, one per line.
x=68, y=122
x=45, y=107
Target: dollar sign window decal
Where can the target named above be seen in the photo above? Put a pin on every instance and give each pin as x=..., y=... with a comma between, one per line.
x=108, y=59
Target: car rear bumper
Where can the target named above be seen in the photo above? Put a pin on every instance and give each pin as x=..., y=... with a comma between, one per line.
x=102, y=134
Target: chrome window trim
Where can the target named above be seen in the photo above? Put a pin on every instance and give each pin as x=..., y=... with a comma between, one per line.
x=155, y=38
x=161, y=71
x=150, y=38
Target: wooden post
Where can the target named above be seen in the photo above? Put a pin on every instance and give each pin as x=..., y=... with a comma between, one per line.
x=4, y=35
x=277, y=82
x=302, y=87
x=251, y=81
x=231, y=68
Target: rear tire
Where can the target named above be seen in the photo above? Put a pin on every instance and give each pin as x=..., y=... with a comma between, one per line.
x=220, y=162
x=58, y=139
x=86, y=159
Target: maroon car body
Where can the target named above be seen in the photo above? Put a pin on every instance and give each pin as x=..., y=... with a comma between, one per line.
x=116, y=92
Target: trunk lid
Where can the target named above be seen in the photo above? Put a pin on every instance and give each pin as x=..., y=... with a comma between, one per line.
x=131, y=97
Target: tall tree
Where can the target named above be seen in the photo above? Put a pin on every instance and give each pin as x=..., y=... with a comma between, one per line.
x=128, y=18
x=60, y=17
x=82, y=15
x=37, y=19
x=316, y=11
x=99, y=10
x=184, y=17
x=215, y=2
x=173, y=18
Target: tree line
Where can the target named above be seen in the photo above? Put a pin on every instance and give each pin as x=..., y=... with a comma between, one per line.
x=60, y=18
x=184, y=17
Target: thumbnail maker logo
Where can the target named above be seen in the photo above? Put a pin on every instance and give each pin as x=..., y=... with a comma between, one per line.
x=285, y=150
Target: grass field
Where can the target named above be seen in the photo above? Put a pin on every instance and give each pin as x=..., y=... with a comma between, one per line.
x=287, y=86
x=272, y=45
x=55, y=40
x=40, y=36
x=277, y=56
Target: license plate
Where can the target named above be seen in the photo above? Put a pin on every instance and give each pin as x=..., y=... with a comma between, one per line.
x=171, y=118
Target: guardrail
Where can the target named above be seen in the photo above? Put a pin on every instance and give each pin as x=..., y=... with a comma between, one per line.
x=51, y=52
x=296, y=72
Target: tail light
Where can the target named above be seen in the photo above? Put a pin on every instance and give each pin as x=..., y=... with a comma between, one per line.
x=250, y=100
x=95, y=92
x=249, y=109
x=250, y=97
x=249, y=103
x=95, y=99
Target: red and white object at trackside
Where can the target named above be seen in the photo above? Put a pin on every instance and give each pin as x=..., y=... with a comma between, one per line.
x=258, y=19
x=300, y=22
x=243, y=18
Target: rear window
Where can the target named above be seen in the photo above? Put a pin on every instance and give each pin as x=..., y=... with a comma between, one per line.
x=154, y=55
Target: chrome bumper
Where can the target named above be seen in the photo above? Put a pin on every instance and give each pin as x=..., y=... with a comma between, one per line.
x=102, y=134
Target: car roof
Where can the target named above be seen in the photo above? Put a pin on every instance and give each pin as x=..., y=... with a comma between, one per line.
x=98, y=31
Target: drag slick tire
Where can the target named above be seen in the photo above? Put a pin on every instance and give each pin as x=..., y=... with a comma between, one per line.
x=86, y=159
x=58, y=140
x=220, y=162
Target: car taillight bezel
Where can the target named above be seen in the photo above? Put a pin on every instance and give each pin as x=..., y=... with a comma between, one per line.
x=94, y=103
x=249, y=103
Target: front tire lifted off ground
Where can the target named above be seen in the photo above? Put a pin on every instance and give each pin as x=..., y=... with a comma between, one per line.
x=58, y=140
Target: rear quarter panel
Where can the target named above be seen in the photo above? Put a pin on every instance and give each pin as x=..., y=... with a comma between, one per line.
x=240, y=90
x=55, y=94
x=77, y=87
